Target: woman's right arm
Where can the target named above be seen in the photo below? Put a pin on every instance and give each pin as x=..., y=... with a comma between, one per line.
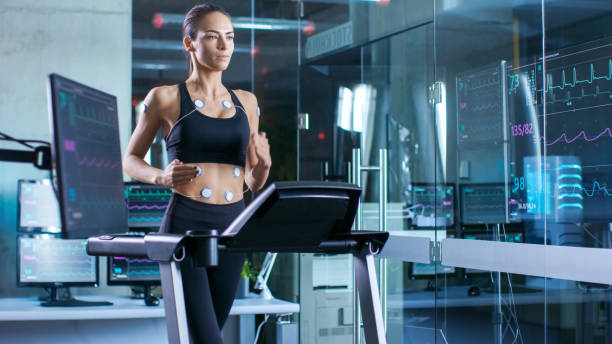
x=159, y=100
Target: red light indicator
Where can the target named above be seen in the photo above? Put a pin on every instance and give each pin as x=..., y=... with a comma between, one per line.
x=135, y=102
x=158, y=20
x=309, y=29
x=321, y=136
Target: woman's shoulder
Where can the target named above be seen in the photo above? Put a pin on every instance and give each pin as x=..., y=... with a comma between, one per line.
x=165, y=92
x=247, y=98
x=163, y=96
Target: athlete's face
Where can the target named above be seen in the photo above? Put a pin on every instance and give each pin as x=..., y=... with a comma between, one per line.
x=214, y=42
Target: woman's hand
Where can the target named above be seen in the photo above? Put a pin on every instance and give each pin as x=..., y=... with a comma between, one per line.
x=177, y=174
x=261, y=147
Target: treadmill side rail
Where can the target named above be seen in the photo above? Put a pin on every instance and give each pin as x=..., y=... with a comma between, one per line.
x=174, y=303
x=369, y=299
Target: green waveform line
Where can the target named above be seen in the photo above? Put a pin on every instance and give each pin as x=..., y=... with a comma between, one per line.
x=143, y=272
x=144, y=218
x=89, y=119
x=583, y=95
x=144, y=193
x=592, y=77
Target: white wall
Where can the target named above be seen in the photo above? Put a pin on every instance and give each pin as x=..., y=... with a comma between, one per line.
x=85, y=40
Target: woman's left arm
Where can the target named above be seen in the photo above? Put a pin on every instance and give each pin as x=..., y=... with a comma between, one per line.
x=258, y=160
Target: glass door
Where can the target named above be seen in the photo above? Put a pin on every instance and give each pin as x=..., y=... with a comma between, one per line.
x=365, y=118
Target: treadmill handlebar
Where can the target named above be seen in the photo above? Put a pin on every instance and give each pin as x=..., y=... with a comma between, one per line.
x=154, y=246
x=204, y=246
x=117, y=245
x=201, y=244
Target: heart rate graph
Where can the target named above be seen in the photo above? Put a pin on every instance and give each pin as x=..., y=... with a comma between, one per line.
x=146, y=204
x=133, y=270
x=578, y=78
x=606, y=134
x=434, y=205
x=483, y=203
x=48, y=260
x=596, y=195
x=479, y=106
x=88, y=158
x=587, y=136
x=588, y=85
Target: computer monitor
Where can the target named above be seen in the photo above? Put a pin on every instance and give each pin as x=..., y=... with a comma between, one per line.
x=483, y=203
x=46, y=261
x=146, y=204
x=426, y=271
x=132, y=271
x=50, y=262
x=87, y=159
x=434, y=205
x=37, y=207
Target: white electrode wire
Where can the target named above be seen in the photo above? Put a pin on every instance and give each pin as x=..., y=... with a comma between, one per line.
x=259, y=328
x=512, y=301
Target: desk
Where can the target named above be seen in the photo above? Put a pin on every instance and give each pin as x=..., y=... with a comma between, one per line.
x=23, y=320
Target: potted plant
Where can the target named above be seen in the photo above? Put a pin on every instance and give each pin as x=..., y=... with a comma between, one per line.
x=248, y=273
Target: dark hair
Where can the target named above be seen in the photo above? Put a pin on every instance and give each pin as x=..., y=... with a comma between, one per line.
x=190, y=24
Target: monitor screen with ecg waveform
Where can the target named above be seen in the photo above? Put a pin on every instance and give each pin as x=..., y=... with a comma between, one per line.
x=146, y=204
x=54, y=261
x=548, y=128
x=132, y=271
x=87, y=158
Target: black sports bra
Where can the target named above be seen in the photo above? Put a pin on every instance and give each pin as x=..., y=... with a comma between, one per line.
x=195, y=137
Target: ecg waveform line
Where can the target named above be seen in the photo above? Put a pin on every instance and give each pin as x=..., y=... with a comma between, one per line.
x=133, y=260
x=464, y=106
x=485, y=206
x=98, y=163
x=144, y=193
x=596, y=185
x=582, y=95
x=148, y=207
x=57, y=261
x=144, y=218
x=584, y=136
x=143, y=272
x=67, y=273
x=592, y=77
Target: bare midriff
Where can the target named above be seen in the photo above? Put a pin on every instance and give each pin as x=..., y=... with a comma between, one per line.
x=219, y=178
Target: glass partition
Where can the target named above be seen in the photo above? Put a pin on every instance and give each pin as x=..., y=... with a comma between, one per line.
x=494, y=121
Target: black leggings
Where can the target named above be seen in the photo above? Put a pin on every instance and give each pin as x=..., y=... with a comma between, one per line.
x=209, y=292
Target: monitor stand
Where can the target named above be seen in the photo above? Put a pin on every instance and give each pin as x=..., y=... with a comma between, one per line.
x=55, y=301
x=146, y=294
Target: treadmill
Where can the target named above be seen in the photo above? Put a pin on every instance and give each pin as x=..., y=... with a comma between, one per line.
x=304, y=217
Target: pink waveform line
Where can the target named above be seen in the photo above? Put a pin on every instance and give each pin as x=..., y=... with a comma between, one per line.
x=29, y=257
x=133, y=260
x=484, y=107
x=148, y=207
x=69, y=145
x=96, y=163
x=56, y=261
x=583, y=134
x=485, y=206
